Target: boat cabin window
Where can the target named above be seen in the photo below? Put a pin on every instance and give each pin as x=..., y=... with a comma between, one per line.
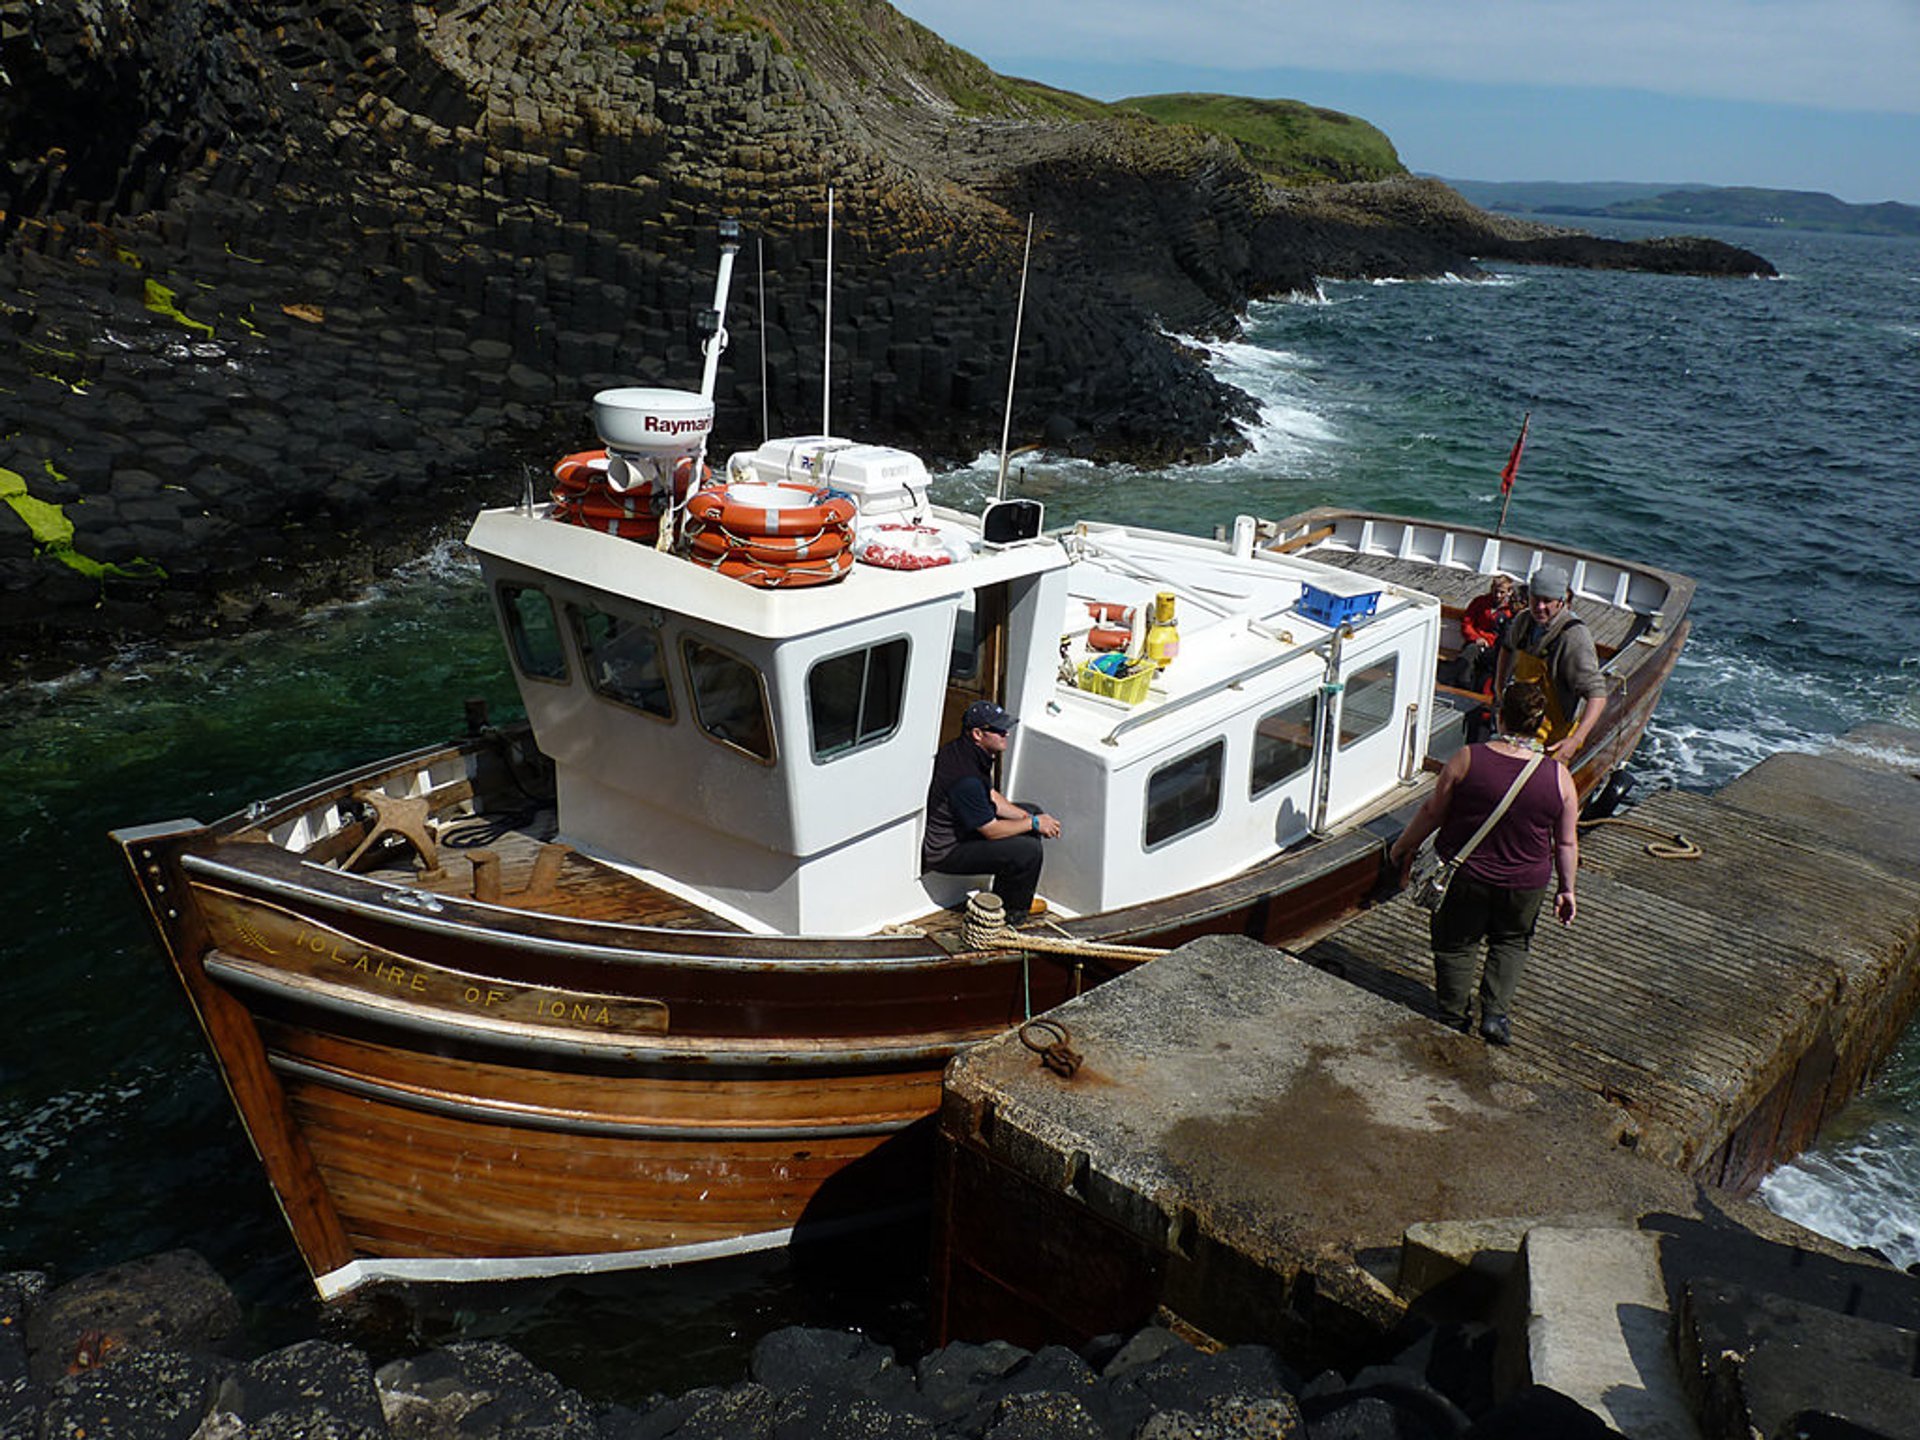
x=1368, y=706
x=1184, y=794
x=533, y=633
x=624, y=661
x=1282, y=744
x=853, y=700
x=729, y=699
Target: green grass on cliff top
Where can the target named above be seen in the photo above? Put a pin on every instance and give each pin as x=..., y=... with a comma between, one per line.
x=1287, y=141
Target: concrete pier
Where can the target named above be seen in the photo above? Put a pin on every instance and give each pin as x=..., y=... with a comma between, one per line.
x=1260, y=1148
x=1728, y=1003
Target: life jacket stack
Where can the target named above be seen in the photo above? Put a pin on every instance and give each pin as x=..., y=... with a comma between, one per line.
x=783, y=535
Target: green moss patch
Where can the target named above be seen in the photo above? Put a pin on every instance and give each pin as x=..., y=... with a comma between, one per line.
x=162, y=301
x=53, y=532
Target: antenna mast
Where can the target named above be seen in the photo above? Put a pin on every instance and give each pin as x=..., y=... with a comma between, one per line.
x=826, y=360
x=1013, y=363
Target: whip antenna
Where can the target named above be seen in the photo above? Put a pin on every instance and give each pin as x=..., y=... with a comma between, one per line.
x=826, y=361
x=760, y=303
x=1013, y=363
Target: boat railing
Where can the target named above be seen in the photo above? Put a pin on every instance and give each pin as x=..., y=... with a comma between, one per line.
x=1239, y=678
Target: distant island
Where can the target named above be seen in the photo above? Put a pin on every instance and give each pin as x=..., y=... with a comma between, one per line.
x=1740, y=205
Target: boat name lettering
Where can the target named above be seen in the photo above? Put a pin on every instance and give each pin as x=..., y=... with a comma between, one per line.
x=546, y=1004
x=366, y=964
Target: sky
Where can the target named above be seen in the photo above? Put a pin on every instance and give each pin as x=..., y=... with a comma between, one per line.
x=1786, y=94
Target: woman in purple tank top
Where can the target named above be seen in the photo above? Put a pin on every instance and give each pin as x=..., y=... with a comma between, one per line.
x=1497, y=896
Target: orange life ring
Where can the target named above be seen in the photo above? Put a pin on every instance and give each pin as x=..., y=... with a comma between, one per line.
x=577, y=473
x=715, y=540
x=627, y=527
x=769, y=576
x=762, y=509
x=587, y=470
x=902, y=546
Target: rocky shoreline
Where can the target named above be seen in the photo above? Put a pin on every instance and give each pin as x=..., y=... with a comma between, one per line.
x=153, y=1349
x=290, y=287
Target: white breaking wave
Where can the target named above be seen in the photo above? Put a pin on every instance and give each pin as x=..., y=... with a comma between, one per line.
x=1864, y=1192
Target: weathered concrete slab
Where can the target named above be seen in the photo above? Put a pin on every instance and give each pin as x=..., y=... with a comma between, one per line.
x=1244, y=1146
x=1597, y=1328
x=1863, y=793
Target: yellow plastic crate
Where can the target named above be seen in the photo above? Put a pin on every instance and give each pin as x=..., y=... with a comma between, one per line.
x=1127, y=689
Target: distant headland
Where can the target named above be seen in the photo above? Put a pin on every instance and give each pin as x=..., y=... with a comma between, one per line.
x=1737, y=205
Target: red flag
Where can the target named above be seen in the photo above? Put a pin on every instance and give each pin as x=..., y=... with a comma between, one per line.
x=1512, y=467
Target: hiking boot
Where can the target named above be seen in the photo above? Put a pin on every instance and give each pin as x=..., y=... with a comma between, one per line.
x=1462, y=1023
x=1496, y=1031
x=1037, y=908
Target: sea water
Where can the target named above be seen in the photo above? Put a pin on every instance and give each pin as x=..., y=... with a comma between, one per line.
x=1762, y=436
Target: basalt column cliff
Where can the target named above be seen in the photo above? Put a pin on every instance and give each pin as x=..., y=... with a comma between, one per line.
x=287, y=283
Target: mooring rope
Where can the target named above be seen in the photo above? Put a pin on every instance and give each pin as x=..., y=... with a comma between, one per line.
x=1671, y=845
x=984, y=927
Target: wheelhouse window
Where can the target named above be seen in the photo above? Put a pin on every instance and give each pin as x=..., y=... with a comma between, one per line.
x=729, y=699
x=1184, y=795
x=624, y=661
x=853, y=700
x=1368, y=707
x=533, y=633
x=1282, y=744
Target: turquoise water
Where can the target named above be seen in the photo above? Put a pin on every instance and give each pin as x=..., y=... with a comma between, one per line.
x=1761, y=436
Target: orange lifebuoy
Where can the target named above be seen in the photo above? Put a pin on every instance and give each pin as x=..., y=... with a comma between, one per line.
x=777, y=577
x=715, y=540
x=582, y=495
x=606, y=505
x=1102, y=638
x=627, y=527
x=577, y=473
x=761, y=509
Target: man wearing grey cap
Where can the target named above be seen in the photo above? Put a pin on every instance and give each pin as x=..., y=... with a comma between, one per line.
x=972, y=829
x=1548, y=645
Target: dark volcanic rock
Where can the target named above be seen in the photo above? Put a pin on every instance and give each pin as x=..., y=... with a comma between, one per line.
x=289, y=286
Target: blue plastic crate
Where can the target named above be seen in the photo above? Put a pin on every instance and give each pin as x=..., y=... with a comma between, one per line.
x=1330, y=609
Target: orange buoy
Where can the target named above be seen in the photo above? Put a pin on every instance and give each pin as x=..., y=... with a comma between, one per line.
x=770, y=576
x=717, y=541
x=576, y=474
x=584, y=496
x=777, y=509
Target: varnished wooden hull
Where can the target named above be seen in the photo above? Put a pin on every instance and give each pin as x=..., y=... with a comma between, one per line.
x=441, y=1088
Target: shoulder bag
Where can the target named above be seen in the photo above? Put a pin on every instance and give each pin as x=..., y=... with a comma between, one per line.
x=1430, y=889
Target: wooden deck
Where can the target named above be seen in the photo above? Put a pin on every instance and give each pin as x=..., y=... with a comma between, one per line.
x=582, y=888
x=1728, y=1003
x=1455, y=589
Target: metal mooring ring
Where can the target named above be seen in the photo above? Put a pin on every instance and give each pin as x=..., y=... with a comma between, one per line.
x=1049, y=1040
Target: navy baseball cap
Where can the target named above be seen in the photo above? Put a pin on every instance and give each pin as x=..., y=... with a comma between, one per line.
x=985, y=715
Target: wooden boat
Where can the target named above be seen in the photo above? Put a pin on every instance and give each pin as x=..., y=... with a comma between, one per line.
x=654, y=976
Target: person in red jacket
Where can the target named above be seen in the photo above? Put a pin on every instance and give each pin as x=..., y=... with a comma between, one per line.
x=1480, y=631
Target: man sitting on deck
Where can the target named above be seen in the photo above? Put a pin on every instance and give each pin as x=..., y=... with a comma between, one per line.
x=1548, y=645
x=972, y=829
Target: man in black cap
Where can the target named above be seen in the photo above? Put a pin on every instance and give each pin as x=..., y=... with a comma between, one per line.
x=1548, y=645
x=972, y=829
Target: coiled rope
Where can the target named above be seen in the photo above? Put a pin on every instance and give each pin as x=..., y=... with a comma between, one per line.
x=1671, y=845
x=984, y=927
